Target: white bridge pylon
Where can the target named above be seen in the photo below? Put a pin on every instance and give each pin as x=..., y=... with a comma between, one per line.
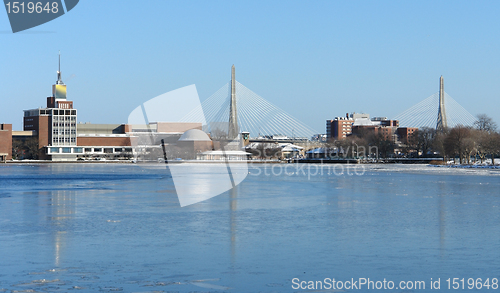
x=255, y=115
x=425, y=113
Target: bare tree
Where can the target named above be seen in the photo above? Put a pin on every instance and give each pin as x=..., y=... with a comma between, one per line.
x=457, y=142
x=485, y=123
x=25, y=149
x=487, y=138
x=384, y=145
x=488, y=144
x=495, y=146
x=438, y=143
x=424, y=139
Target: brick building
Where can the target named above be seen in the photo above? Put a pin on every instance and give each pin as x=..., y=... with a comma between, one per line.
x=406, y=133
x=339, y=128
x=54, y=125
x=362, y=125
x=5, y=142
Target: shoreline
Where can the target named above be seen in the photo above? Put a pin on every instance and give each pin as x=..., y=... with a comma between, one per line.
x=304, y=161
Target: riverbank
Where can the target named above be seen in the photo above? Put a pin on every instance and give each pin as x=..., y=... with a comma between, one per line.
x=474, y=166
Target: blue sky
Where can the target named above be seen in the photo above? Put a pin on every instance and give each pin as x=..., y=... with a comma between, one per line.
x=314, y=59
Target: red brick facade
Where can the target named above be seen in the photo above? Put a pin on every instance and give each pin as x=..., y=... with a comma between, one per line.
x=406, y=133
x=6, y=140
x=103, y=141
x=42, y=125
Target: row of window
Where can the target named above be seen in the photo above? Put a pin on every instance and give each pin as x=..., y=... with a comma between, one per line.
x=39, y=112
x=79, y=150
x=61, y=124
x=62, y=118
x=61, y=132
x=64, y=112
x=108, y=150
x=57, y=140
x=65, y=150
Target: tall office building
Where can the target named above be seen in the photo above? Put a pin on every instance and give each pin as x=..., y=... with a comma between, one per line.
x=54, y=125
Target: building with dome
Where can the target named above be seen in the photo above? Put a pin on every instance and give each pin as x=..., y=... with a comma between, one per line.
x=192, y=142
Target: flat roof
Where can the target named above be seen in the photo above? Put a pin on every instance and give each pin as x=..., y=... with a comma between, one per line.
x=23, y=133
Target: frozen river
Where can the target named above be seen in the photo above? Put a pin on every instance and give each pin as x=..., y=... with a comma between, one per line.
x=119, y=227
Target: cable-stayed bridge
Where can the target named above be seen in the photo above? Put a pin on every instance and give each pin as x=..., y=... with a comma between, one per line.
x=437, y=111
x=425, y=113
x=254, y=114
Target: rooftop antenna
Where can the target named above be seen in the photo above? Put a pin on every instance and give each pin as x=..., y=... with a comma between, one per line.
x=59, y=81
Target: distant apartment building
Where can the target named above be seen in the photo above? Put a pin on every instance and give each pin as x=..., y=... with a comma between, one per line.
x=5, y=142
x=339, y=128
x=361, y=124
x=382, y=126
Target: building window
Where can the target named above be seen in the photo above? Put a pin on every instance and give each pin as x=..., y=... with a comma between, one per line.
x=66, y=150
x=97, y=150
x=54, y=150
x=78, y=150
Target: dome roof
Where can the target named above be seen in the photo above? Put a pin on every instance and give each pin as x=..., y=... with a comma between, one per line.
x=194, y=135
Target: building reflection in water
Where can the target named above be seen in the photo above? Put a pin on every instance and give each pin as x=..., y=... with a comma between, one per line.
x=442, y=217
x=61, y=211
x=233, y=206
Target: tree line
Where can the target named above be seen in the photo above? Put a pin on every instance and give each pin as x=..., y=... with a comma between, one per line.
x=464, y=144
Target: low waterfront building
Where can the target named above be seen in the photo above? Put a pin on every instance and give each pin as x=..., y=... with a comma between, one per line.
x=192, y=142
x=289, y=150
x=220, y=155
x=322, y=153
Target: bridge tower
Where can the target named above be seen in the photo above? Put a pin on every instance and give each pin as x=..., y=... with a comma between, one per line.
x=233, y=115
x=442, y=124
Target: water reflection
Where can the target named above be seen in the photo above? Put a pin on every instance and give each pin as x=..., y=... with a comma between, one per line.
x=128, y=234
x=62, y=210
x=51, y=213
x=233, y=208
